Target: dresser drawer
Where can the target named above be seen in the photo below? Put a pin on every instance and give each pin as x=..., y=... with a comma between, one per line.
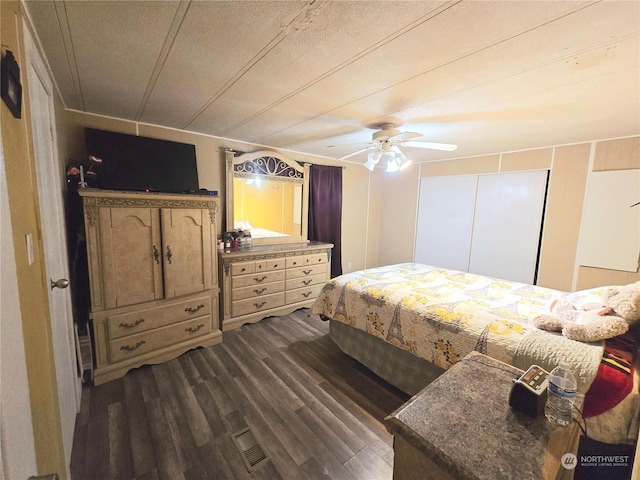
x=134, y=345
x=302, y=294
x=307, y=271
x=316, y=259
x=255, y=291
x=297, y=261
x=258, y=278
x=275, y=264
x=306, y=281
x=243, y=268
x=142, y=320
x=251, y=305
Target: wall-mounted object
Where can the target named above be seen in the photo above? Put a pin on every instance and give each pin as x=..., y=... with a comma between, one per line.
x=10, y=88
x=610, y=230
x=263, y=196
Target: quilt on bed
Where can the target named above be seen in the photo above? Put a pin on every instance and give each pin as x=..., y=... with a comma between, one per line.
x=442, y=315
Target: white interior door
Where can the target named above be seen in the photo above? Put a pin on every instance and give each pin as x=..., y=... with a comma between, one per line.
x=445, y=221
x=507, y=225
x=50, y=188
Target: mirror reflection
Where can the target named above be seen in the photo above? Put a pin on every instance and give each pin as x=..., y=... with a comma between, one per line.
x=267, y=207
x=267, y=195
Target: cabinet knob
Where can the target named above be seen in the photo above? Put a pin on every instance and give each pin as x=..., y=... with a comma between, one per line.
x=194, y=329
x=61, y=283
x=131, y=325
x=194, y=309
x=131, y=348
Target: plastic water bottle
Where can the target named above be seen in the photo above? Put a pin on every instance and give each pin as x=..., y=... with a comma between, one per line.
x=561, y=393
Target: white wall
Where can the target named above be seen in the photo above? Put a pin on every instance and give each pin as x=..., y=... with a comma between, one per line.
x=18, y=458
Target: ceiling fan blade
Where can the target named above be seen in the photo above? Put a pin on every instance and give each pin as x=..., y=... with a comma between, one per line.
x=359, y=151
x=351, y=144
x=448, y=147
x=404, y=136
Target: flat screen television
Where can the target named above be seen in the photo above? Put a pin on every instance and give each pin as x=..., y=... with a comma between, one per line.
x=130, y=162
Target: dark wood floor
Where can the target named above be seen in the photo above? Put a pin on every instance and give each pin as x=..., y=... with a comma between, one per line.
x=315, y=412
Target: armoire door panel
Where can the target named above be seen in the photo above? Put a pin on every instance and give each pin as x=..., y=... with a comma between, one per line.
x=187, y=251
x=132, y=273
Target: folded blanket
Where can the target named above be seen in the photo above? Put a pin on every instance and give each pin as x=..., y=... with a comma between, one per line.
x=547, y=350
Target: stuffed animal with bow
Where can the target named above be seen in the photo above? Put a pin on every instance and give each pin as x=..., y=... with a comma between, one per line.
x=620, y=309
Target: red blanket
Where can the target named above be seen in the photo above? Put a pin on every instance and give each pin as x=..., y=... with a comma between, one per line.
x=614, y=380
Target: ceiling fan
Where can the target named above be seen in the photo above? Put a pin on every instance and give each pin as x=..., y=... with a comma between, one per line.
x=385, y=145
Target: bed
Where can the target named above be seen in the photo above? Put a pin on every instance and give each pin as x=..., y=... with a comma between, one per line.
x=409, y=322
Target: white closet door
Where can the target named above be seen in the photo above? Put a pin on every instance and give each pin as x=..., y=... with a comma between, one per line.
x=507, y=225
x=445, y=221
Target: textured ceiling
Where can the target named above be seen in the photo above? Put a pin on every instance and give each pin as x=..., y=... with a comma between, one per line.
x=489, y=76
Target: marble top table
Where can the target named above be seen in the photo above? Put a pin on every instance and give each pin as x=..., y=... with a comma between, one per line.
x=462, y=425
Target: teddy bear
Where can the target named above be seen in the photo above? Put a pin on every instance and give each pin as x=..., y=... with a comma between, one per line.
x=619, y=310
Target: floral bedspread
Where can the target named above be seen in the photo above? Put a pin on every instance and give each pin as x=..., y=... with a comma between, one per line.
x=437, y=314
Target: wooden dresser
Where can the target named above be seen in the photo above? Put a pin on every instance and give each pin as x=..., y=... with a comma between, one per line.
x=153, y=277
x=271, y=280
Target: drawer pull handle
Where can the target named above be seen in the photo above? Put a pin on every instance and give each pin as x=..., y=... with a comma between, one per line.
x=307, y=272
x=295, y=263
x=131, y=348
x=243, y=269
x=275, y=265
x=260, y=279
x=156, y=255
x=194, y=329
x=169, y=254
x=131, y=325
x=258, y=305
x=307, y=282
x=306, y=294
x=194, y=309
x=259, y=291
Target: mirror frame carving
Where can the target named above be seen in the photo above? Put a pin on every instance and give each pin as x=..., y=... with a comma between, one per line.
x=247, y=165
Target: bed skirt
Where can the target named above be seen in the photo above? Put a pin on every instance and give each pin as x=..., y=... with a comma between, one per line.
x=401, y=369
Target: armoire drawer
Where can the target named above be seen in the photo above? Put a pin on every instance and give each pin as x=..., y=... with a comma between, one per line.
x=258, y=278
x=252, y=305
x=124, y=324
x=302, y=294
x=134, y=345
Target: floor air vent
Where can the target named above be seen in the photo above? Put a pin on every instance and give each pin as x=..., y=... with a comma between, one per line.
x=251, y=452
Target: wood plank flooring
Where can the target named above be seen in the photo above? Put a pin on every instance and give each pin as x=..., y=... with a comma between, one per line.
x=316, y=413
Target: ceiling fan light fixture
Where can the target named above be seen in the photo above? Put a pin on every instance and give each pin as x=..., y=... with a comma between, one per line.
x=392, y=166
x=372, y=159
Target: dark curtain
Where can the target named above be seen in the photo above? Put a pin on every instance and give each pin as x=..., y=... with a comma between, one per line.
x=325, y=210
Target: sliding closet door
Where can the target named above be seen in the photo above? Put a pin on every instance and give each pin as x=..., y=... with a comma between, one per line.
x=507, y=225
x=445, y=221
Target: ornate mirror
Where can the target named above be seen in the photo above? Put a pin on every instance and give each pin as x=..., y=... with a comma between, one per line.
x=267, y=194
